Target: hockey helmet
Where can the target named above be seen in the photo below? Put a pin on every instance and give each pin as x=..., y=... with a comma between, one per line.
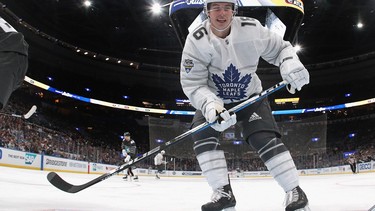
x=219, y=1
x=126, y=134
x=162, y=152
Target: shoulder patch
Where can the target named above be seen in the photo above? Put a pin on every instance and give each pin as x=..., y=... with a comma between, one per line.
x=188, y=65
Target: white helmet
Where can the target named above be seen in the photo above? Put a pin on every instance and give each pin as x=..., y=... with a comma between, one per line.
x=225, y=1
x=162, y=152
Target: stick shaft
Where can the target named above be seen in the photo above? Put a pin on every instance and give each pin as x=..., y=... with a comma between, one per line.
x=61, y=184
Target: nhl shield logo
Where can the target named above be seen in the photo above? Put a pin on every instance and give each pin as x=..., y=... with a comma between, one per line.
x=188, y=64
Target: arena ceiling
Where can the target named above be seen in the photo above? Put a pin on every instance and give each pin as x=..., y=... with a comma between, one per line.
x=129, y=31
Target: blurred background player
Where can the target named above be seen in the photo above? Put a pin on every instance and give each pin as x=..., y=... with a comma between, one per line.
x=353, y=163
x=159, y=162
x=13, y=61
x=218, y=71
x=129, y=151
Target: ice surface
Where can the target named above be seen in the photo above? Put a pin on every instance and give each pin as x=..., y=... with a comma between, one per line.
x=25, y=190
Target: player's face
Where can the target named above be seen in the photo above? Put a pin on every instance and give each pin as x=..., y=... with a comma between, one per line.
x=220, y=14
x=127, y=138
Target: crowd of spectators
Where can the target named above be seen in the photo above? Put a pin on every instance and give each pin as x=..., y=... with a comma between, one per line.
x=19, y=134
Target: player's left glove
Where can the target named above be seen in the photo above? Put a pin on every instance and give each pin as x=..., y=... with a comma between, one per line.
x=215, y=111
x=293, y=72
x=224, y=121
x=127, y=159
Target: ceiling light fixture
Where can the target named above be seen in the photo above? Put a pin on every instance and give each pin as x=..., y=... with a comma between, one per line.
x=297, y=48
x=87, y=3
x=156, y=8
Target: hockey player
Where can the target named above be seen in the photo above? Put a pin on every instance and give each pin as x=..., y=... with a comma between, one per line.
x=129, y=150
x=218, y=71
x=353, y=163
x=13, y=60
x=159, y=162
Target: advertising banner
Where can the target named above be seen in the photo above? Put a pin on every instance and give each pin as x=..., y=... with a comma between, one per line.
x=98, y=168
x=14, y=158
x=61, y=164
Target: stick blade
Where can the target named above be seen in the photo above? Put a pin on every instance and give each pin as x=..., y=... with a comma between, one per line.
x=31, y=112
x=61, y=184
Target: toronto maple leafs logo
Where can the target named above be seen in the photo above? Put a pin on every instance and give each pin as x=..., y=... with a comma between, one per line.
x=188, y=64
x=231, y=86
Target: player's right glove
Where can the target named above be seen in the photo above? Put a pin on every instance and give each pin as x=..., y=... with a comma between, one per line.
x=215, y=111
x=293, y=72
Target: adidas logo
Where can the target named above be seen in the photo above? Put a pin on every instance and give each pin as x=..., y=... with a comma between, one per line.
x=254, y=117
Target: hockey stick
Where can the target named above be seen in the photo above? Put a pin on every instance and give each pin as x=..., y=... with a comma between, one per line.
x=28, y=114
x=61, y=184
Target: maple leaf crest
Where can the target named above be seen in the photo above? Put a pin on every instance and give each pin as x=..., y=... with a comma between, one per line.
x=231, y=86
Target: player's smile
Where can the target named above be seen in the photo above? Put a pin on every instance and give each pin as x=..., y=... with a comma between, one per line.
x=221, y=20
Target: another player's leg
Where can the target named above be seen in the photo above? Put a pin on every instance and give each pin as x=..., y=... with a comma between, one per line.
x=212, y=162
x=130, y=174
x=352, y=168
x=135, y=179
x=158, y=171
x=125, y=176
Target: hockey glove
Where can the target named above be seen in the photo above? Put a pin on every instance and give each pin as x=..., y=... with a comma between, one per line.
x=293, y=72
x=127, y=159
x=215, y=111
x=124, y=153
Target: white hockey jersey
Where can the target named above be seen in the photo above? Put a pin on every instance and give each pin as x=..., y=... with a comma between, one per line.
x=158, y=159
x=214, y=68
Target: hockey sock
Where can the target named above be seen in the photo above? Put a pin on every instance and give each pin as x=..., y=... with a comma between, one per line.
x=130, y=172
x=284, y=171
x=212, y=162
x=277, y=158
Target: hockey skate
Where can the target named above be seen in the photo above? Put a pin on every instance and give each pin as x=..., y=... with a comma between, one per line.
x=157, y=177
x=222, y=199
x=125, y=177
x=135, y=179
x=296, y=200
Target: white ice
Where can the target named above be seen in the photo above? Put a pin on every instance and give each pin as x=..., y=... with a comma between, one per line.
x=25, y=190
